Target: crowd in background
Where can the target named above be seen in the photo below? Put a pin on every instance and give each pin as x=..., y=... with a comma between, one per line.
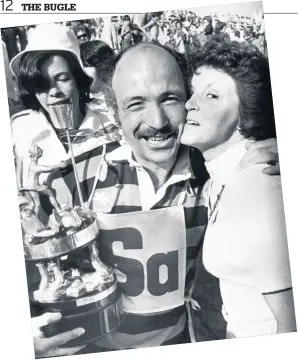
x=100, y=38
x=183, y=30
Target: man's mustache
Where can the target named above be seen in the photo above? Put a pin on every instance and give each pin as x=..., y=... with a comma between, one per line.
x=151, y=132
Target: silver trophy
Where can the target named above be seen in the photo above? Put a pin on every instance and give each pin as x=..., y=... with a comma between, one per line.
x=73, y=279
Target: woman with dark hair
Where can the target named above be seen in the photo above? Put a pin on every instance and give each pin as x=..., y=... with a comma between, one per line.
x=126, y=33
x=181, y=38
x=32, y=82
x=50, y=72
x=245, y=244
x=82, y=32
x=152, y=26
x=208, y=27
x=96, y=57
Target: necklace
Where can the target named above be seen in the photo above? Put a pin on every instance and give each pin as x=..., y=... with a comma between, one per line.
x=216, y=203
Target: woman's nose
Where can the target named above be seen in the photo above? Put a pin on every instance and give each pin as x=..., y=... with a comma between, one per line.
x=54, y=91
x=192, y=104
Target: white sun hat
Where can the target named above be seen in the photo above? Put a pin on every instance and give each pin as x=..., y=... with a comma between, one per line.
x=49, y=37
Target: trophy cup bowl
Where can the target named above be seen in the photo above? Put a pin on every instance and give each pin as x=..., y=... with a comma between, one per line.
x=73, y=279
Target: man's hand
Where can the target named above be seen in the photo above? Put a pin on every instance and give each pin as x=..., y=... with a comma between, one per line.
x=262, y=152
x=47, y=347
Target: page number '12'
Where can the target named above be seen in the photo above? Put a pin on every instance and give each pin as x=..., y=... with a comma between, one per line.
x=6, y=5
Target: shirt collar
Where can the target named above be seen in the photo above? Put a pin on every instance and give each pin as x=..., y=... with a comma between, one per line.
x=181, y=167
x=227, y=162
x=96, y=120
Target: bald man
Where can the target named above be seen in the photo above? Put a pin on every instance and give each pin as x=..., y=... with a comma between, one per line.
x=152, y=215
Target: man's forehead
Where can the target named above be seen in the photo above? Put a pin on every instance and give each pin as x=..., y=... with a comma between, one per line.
x=149, y=85
x=146, y=51
x=145, y=61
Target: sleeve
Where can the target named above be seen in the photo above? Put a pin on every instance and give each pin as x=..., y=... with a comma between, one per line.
x=270, y=264
x=260, y=197
x=19, y=127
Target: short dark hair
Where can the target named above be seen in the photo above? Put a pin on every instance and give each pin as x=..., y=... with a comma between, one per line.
x=249, y=68
x=97, y=54
x=156, y=14
x=208, y=18
x=180, y=59
x=31, y=80
x=220, y=26
x=126, y=18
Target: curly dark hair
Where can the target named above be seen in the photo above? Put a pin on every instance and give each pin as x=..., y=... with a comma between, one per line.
x=97, y=54
x=208, y=18
x=181, y=60
x=31, y=80
x=126, y=18
x=156, y=14
x=249, y=68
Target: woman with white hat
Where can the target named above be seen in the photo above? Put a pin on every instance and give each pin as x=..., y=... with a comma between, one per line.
x=50, y=72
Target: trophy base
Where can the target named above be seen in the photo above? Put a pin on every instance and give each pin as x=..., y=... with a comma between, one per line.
x=97, y=323
x=99, y=314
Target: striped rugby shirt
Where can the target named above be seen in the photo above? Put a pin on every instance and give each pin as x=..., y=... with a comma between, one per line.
x=135, y=193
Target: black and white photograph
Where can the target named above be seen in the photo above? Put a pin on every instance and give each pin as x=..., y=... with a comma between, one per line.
x=148, y=179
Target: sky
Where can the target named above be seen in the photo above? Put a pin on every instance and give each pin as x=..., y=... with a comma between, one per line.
x=242, y=9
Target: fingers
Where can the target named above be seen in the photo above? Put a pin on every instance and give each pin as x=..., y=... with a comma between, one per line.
x=272, y=170
x=45, y=319
x=41, y=353
x=268, y=143
x=67, y=351
x=45, y=347
x=63, y=338
x=259, y=156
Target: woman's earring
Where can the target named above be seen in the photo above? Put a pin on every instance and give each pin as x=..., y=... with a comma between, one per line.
x=238, y=128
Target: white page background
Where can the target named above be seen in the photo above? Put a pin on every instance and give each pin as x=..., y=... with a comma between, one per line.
x=281, y=32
